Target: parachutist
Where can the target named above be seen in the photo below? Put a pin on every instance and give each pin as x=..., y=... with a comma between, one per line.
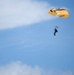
x=55, y=31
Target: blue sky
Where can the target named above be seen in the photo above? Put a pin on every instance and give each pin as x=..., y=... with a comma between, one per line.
x=29, y=38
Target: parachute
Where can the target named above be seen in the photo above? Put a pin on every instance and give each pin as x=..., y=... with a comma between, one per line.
x=63, y=13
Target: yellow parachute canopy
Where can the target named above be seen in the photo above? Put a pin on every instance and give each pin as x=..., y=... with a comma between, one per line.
x=60, y=12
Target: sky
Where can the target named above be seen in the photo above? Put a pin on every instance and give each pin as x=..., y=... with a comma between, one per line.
x=27, y=43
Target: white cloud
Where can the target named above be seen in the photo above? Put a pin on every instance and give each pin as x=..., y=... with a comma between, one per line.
x=18, y=68
x=15, y=13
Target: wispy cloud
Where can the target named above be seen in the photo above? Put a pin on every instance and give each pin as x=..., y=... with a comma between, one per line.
x=15, y=13
x=21, y=44
x=18, y=68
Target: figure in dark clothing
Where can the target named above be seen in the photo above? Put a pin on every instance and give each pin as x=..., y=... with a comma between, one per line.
x=55, y=31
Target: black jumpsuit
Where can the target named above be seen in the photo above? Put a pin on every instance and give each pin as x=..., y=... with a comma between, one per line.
x=55, y=30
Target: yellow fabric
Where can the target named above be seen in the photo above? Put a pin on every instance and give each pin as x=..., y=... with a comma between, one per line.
x=60, y=13
x=52, y=13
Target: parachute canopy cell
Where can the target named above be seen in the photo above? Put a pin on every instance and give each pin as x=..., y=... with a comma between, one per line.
x=59, y=12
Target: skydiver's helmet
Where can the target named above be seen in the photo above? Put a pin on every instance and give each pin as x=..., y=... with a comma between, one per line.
x=56, y=26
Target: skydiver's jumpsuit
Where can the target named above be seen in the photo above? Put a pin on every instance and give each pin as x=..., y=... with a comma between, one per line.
x=55, y=30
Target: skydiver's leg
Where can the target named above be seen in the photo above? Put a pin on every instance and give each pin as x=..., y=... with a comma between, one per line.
x=54, y=33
